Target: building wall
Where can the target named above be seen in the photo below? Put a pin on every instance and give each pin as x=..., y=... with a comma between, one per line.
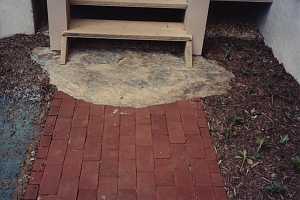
x=280, y=26
x=16, y=16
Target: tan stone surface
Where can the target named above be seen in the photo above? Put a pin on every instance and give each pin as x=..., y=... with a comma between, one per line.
x=132, y=78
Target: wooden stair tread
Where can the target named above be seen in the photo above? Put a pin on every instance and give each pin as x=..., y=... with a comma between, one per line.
x=249, y=1
x=177, y=4
x=132, y=30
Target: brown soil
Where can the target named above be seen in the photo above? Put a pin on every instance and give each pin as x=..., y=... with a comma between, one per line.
x=20, y=77
x=261, y=109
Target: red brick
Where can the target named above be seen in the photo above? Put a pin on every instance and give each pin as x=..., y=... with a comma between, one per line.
x=127, y=195
x=35, y=178
x=176, y=133
x=67, y=108
x=69, y=190
x=31, y=192
x=180, y=158
x=142, y=116
x=57, y=152
x=38, y=165
x=111, y=129
x=109, y=154
x=54, y=110
x=127, y=125
x=87, y=195
x=164, y=172
x=217, y=179
x=127, y=152
x=187, y=106
x=220, y=193
x=109, y=168
x=48, y=197
x=68, y=187
x=183, y=177
x=62, y=95
x=174, y=125
x=70, y=176
x=156, y=110
x=95, y=126
x=202, y=120
x=127, y=147
x=80, y=123
x=204, y=192
x=89, y=175
x=200, y=172
x=82, y=110
x=207, y=140
x=166, y=193
x=50, y=181
x=92, y=148
x=111, y=140
x=189, y=123
x=194, y=146
x=184, y=180
x=97, y=110
x=159, y=124
x=56, y=102
x=42, y=152
x=49, y=125
x=145, y=186
x=143, y=134
x=161, y=146
x=144, y=158
x=77, y=138
x=210, y=153
x=127, y=111
x=127, y=174
x=73, y=157
x=45, y=141
x=59, y=94
x=174, y=109
x=143, y=127
x=108, y=188
x=62, y=128
x=213, y=166
x=185, y=193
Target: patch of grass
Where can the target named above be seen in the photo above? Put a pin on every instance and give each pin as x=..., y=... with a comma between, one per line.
x=236, y=120
x=244, y=156
x=296, y=163
x=275, y=188
x=261, y=143
x=284, y=139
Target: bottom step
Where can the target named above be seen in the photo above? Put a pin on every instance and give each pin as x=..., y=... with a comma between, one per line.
x=132, y=30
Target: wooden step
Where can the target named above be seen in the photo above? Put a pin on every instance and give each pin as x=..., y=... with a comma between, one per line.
x=174, y=4
x=131, y=30
x=249, y=1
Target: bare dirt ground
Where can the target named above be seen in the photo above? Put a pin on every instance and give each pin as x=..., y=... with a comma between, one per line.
x=256, y=125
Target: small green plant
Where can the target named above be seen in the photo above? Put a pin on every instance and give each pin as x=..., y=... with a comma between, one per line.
x=243, y=155
x=236, y=121
x=296, y=163
x=227, y=133
x=284, y=139
x=260, y=142
x=275, y=188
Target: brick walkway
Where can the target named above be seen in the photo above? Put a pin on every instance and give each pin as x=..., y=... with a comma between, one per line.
x=90, y=152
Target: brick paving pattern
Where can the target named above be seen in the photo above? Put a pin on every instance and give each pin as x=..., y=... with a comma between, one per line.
x=94, y=152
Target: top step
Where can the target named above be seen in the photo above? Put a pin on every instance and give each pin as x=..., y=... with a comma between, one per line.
x=174, y=4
